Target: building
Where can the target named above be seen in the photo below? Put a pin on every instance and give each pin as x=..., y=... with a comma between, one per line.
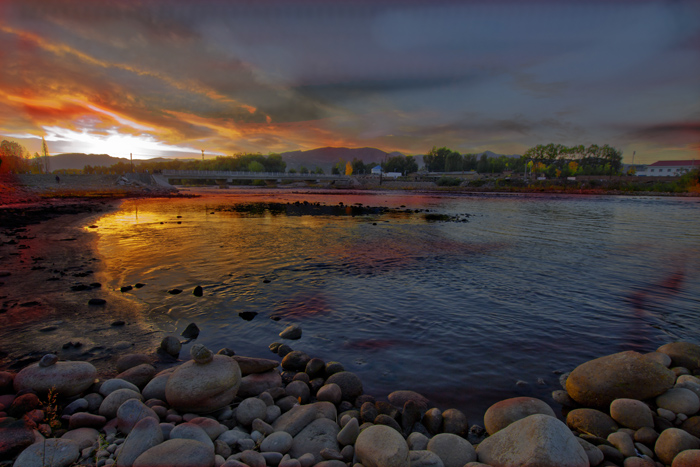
x=667, y=168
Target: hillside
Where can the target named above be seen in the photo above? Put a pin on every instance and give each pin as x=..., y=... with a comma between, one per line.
x=80, y=160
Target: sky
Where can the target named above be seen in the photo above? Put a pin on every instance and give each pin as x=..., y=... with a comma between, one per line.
x=173, y=78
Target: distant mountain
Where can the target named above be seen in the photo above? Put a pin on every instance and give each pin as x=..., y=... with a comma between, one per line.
x=491, y=154
x=80, y=160
x=327, y=157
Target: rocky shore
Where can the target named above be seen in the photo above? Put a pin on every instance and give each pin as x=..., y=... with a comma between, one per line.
x=627, y=409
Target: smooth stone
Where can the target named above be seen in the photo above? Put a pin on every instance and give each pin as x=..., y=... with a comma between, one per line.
x=628, y=375
x=330, y=393
x=131, y=360
x=349, y=433
x=679, y=400
x=295, y=419
x=631, y=413
x=292, y=332
x=299, y=390
x=638, y=462
x=349, y=383
x=250, y=365
x=562, y=397
x=591, y=421
x=453, y=450
x=503, y=413
x=432, y=420
x=399, y=398
x=232, y=437
x=138, y=375
x=612, y=454
x=672, y=441
x=83, y=437
x=333, y=368
x=14, y=439
x=666, y=414
x=382, y=446
x=425, y=459
x=257, y=383
x=59, y=452
x=688, y=382
x=659, y=357
x=48, y=360
x=250, y=409
x=191, y=331
x=646, y=435
x=279, y=441
x=537, y=440
x=78, y=405
x=383, y=419
x=192, y=431
x=368, y=412
x=155, y=389
x=320, y=434
x=454, y=421
x=200, y=354
x=623, y=442
x=410, y=416
x=689, y=458
x=177, y=453
x=66, y=378
x=131, y=412
x=417, y=441
x=295, y=360
x=203, y=387
x=145, y=434
x=252, y=458
x=86, y=420
x=171, y=345
x=94, y=401
x=692, y=426
x=315, y=368
x=595, y=455
x=212, y=428
x=111, y=385
x=110, y=405
x=683, y=354
x=272, y=413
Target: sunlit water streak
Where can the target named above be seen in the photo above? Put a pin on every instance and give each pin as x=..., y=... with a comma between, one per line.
x=457, y=311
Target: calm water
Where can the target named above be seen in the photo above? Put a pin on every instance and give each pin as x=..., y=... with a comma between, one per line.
x=460, y=312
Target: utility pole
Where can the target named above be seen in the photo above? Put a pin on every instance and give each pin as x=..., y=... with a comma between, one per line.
x=131, y=157
x=202, y=154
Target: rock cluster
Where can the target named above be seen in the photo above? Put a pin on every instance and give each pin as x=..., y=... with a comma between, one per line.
x=235, y=411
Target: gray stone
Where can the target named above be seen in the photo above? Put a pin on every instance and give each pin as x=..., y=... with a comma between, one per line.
x=203, y=387
x=295, y=360
x=629, y=375
x=591, y=421
x=49, y=453
x=659, y=357
x=538, y=440
x=455, y=422
x=115, y=399
x=432, y=420
x=131, y=360
x=252, y=458
x=250, y=365
x=272, y=413
x=503, y=413
x=299, y=390
x=155, y=389
x=453, y=450
x=177, y=453
x=250, y=409
x=292, y=332
x=200, y=354
x=131, y=412
x=320, y=434
x=86, y=420
x=145, y=434
x=425, y=459
x=139, y=375
x=399, y=399
x=111, y=385
x=623, y=442
x=233, y=437
x=94, y=401
x=683, y=354
x=66, y=378
x=272, y=458
x=78, y=405
x=595, y=455
x=349, y=383
x=348, y=435
x=631, y=413
x=189, y=430
x=296, y=419
x=83, y=437
x=646, y=435
x=671, y=442
x=417, y=441
x=171, y=345
x=679, y=400
x=331, y=393
x=382, y=446
x=279, y=441
x=257, y=383
x=212, y=428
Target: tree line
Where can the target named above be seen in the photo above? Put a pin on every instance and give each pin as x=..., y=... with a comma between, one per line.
x=14, y=158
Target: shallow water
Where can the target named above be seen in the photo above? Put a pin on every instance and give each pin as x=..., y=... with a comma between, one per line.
x=459, y=311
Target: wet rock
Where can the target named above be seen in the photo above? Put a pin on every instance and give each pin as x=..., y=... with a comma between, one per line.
x=384, y=419
x=349, y=383
x=333, y=367
x=198, y=291
x=203, y=387
x=191, y=331
x=295, y=360
x=315, y=368
x=629, y=375
x=683, y=354
x=292, y=332
x=382, y=446
x=61, y=452
x=671, y=442
x=331, y=393
x=454, y=421
x=145, y=434
x=97, y=301
x=410, y=415
x=67, y=378
x=177, y=452
x=257, y=383
x=399, y=399
x=171, y=345
x=201, y=354
x=679, y=400
x=299, y=390
x=432, y=420
x=623, y=442
x=591, y=421
x=250, y=365
x=283, y=350
x=534, y=440
x=503, y=413
x=631, y=413
x=175, y=291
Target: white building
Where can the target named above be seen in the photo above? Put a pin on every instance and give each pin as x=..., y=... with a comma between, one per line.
x=668, y=168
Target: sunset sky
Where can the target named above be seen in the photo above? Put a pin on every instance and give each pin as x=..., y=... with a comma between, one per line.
x=170, y=78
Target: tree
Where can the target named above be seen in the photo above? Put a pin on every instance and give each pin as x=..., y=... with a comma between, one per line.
x=483, y=165
x=348, y=168
x=453, y=162
x=255, y=166
x=400, y=163
x=14, y=157
x=45, y=154
x=358, y=167
x=435, y=160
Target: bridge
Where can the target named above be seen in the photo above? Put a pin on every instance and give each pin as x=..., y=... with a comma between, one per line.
x=229, y=176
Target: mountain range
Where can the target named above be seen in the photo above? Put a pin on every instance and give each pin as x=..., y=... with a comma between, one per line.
x=320, y=157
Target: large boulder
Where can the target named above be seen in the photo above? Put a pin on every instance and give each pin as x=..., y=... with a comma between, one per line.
x=146, y=434
x=177, y=453
x=671, y=442
x=58, y=453
x=683, y=354
x=631, y=413
x=320, y=434
x=453, y=450
x=204, y=384
x=382, y=446
x=67, y=378
x=534, y=441
x=503, y=413
x=598, y=382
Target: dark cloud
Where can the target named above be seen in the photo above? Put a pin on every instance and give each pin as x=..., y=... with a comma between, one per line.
x=676, y=133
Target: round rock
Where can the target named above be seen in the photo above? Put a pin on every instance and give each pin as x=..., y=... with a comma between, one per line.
x=250, y=409
x=679, y=400
x=171, y=345
x=110, y=405
x=631, y=413
x=203, y=387
x=673, y=441
x=591, y=421
x=177, y=453
x=349, y=383
x=62, y=453
x=685, y=354
x=453, y=450
x=295, y=360
x=382, y=446
x=503, y=413
x=68, y=378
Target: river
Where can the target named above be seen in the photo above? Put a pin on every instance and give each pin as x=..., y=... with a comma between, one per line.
x=466, y=313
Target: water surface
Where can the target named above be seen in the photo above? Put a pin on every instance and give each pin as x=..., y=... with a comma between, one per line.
x=467, y=313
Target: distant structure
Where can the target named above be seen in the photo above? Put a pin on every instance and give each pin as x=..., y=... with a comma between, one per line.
x=667, y=168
